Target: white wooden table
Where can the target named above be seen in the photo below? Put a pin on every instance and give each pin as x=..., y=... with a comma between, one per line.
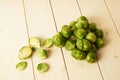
x=21, y=19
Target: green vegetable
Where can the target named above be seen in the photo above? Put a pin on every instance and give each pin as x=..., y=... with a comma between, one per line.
x=72, y=24
x=99, y=42
x=42, y=67
x=93, y=48
x=25, y=52
x=59, y=40
x=83, y=18
x=92, y=26
x=42, y=53
x=91, y=57
x=21, y=66
x=83, y=45
x=81, y=24
x=91, y=37
x=80, y=33
x=99, y=33
x=66, y=31
x=69, y=45
x=34, y=42
x=78, y=54
x=47, y=43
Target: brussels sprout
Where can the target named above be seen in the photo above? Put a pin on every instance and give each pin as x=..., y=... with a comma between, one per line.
x=72, y=23
x=80, y=33
x=47, y=43
x=99, y=42
x=72, y=37
x=25, y=52
x=21, y=66
x=34, y=42
x=66, y=31
x=42, y=53
x=93, y=48
x=69, y=45
x=81, y=24
x=92, y=26
x=42, y=67
x=59, y=40
x=83, y=44
x=91, y=37
x=99, y=33
x=83, y=18
x=78, y=54
x=91, y=57
x=79, y=44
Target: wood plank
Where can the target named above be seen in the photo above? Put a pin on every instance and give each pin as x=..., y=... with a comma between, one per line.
x=109, y=57
x=65, y=11
x=114, y=8
x=41, y=24
x=13, y=36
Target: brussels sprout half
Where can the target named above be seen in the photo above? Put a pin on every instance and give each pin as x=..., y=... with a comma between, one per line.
x=25, y=52
x=42, y=67
x=42, y=53
x=34, y=42
x=48, y=43
x=21, y=66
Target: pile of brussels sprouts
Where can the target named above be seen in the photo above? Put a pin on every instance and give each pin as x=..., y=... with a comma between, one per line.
x=80, y=37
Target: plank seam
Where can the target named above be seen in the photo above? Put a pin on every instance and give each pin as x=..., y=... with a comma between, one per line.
x=26, y=24
x=110, y=13
x=60, y=48
x=79, y=7
x=100, y=70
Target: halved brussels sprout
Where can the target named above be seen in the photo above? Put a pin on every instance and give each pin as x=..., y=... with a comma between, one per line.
x=91, y=37
x=99, y=33
x=80, y=33
x=78, y=54
x=42, y=67
x=91, y=57
x=47, y=43
x=69, y=45
x=34, y=42
x=21, y=66
x=25, y=52
x=99, y=42
x=42, y=53
x=83, y=45
x=66, y=31
x=59, y=40
x=92, y=26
